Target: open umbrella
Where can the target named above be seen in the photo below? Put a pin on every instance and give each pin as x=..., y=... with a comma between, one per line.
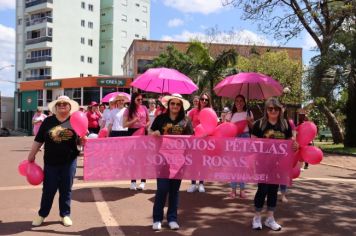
x=164, y=80
x=108, y=96
x=249, y=84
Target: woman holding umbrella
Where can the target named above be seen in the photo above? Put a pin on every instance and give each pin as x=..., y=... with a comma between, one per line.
x=204, y=102
x=172, y=122
x=135, y=118
x=271, y=125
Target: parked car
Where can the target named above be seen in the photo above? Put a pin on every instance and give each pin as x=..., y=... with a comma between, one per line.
x=325, y=134
x=4, y=132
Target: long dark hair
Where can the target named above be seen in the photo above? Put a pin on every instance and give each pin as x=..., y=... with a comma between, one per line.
x=209, y=100
x=234, y=109
x=181, y=114
x=133, y=108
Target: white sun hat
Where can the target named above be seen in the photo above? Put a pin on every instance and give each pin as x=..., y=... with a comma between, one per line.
x=74, y=106
x=166, y=99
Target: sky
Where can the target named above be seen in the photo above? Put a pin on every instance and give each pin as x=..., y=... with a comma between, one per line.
x=178, y=20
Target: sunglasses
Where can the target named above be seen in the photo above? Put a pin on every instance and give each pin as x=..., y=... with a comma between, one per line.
x=270, y=109
x=175, y=104
x=152, y=103
x=62, y=104
x=139, y=99
x=204, y=99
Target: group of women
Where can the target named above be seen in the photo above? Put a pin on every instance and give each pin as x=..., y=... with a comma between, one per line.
x=61, y=149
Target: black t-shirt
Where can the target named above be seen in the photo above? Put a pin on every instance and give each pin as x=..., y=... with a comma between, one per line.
x=271, y=131
x=165, y=125
x=60, y=141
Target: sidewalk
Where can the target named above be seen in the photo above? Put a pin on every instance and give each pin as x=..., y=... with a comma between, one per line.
x=341, y=161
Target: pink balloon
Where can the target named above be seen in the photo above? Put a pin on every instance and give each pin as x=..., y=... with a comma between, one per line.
x=103, y=133
x=295, y=172
x=306, y=133
x=139, y=132
x=225, y=129
x=208, y=119
x=34, y=174
x=297, y=157
x=291, y=123
x=199, y=131
x=79, y=122
x=22, y=168
x=240, y=125
x=311, y=154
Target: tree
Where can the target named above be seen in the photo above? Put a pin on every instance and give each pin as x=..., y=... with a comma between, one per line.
x=322, y=20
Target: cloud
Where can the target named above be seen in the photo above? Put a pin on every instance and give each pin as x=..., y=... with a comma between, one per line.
x=243, y=37
x=175, y=22
x=7, y=57
x=7, y=4
x=195, y=6
x=309, y=43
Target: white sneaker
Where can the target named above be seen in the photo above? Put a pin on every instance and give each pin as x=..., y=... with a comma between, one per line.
x=201, y=188
x=256, y=223
x=133, y=186
x=173, y=225
x=272, y=224
x=192, y=188
x=67, y=221
x=38, y=221
x=141, y=186
x=157, y=226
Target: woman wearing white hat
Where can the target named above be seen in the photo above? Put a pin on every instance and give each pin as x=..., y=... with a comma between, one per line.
x=116, y=119
x=60, y=158
x=172, y=122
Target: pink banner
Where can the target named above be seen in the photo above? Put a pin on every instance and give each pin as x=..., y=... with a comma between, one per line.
x=189, y=157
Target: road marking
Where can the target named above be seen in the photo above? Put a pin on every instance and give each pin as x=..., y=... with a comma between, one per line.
x=111, y=224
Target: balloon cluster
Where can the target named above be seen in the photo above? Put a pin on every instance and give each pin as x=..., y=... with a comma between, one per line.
x=306, y=133
x=32, y=171
x=209, y=125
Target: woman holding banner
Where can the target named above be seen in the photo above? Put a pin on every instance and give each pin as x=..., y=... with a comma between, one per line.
x=240, y=113
x=172, y=122
x=204, y=102
x=271, y=125
x=135, y=118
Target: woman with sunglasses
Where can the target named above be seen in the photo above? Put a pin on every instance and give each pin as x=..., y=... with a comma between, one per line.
x=60, y=158
x=172, y=122
x=273, y=126
x=240, y=113
x=204, y=102
x=136, y=117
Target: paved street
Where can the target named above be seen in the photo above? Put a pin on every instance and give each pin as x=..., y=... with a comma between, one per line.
x=321, y=202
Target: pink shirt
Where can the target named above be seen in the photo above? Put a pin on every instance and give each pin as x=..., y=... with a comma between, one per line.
x=194, y=117
x=93, y=119
x=141, y=113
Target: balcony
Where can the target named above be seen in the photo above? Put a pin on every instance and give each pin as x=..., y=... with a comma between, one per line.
x=39, y=40
x=38, y=59
x=39, y=21
x=37, y=2
x=39, y=77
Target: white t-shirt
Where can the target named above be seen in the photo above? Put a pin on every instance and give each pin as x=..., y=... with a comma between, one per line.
x=117, y=119
x=106, y=117
x=238, y=116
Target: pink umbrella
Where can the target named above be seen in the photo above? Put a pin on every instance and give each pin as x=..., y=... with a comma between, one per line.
x=108, y=96
x=164, y=80
x=249, y=84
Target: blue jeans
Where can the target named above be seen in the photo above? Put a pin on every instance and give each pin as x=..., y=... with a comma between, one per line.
x=233, y=185
x=57, y=178
x=283, y=188
x=164, y=187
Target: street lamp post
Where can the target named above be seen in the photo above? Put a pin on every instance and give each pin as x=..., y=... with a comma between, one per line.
x=1, y=68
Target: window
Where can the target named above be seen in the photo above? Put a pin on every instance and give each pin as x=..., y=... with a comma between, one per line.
x=83, y=5
x=137, y=20
x=103, y=14
x=90, y=42
x=39, y=98
x=82, y=58
x=137, y=5
x=19, y=21
x=103, y=46
x=123, y=34
x=142, y=65
x=82, y=40
x=19, y=74
x=124, y=18
x=103, y=30
x=137, y=35
x=49, y=96
x=90, y=60
x=91, y=7
x=81, y=75
x=91, y=94
x=89, y=75
x=102, y=62
x=90, y=24
x=74, y=93
x=82, y=23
